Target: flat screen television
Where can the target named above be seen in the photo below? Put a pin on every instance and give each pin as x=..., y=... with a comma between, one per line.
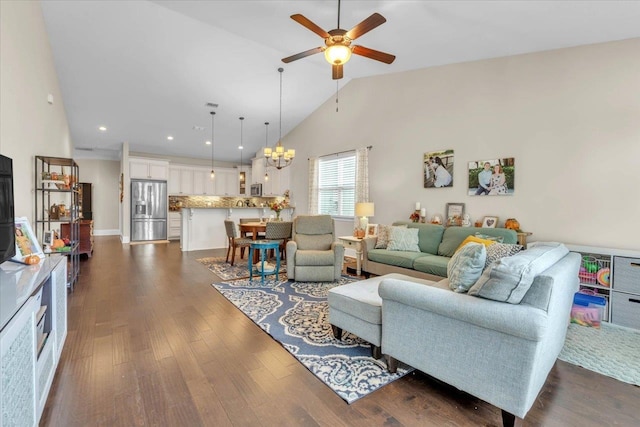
x=7, y=211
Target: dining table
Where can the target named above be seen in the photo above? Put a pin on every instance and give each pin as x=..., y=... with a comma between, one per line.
x=254, y=228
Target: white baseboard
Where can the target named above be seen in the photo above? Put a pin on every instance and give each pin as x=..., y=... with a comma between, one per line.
x=125, y=239
x=115, y=232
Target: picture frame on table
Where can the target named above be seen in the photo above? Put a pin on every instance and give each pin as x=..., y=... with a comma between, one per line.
x=454, y=214
x=490, y=222
x=372, y=230
x=26, y=242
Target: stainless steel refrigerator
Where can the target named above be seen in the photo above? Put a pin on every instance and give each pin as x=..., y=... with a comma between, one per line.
x=148, y=210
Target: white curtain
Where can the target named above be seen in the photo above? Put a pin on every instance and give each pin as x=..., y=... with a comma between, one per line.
x=362, y=175
x=313, y=185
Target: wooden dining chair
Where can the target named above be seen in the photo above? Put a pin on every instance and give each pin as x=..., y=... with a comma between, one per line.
x=235, y=241
x=246, y=233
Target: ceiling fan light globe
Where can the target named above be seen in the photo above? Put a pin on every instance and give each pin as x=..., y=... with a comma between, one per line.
x=337, y=54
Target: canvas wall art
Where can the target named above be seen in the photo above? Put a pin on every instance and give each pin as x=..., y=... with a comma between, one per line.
x=493, y=177
x=438, y=169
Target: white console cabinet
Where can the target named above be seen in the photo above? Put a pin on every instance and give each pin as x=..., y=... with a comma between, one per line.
x=33, y=328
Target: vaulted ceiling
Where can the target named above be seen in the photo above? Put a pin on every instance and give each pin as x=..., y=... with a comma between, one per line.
x=146, y=69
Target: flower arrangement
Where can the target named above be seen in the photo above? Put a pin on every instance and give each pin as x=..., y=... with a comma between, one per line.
x=277, y=207
x=415, y=216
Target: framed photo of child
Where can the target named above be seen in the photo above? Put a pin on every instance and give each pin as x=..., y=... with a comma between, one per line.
x=26, y=242
x=372, y=230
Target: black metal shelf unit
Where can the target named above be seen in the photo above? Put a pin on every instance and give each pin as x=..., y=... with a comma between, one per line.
x=56, y=202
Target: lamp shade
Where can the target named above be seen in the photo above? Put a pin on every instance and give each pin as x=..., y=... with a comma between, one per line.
x=365, y=209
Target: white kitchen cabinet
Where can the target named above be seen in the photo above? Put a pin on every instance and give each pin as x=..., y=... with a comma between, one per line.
x=140, y=168
x=227, y=182
x=180, y=180
x=277, y=183
x=257, y=170
x=202, y=182
x=173, y=229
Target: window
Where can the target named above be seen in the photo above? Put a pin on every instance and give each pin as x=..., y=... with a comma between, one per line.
x=337, y=185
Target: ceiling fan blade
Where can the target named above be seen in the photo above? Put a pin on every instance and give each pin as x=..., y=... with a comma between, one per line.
x=302, y=54
x=336, y=72
x=310, y=25
x=374, y=54
x=365, y=26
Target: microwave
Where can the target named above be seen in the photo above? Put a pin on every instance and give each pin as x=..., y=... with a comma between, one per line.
x=256, y=189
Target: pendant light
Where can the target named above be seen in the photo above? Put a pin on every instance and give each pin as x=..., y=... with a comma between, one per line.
x=213, y=114
x=277, y=156
x=266, y=142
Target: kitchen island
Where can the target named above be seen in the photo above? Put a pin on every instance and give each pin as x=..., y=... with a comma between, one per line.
x=203, y=227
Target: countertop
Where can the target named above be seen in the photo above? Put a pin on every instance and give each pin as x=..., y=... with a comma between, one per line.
x=18, y=282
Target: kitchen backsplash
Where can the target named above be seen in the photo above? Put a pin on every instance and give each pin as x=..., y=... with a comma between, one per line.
x=178, y=202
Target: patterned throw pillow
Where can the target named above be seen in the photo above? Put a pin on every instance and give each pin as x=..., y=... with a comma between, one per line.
x=403, y=239
x=498, y=239
x=501, y=250
x=465, y=266
x=384, y=232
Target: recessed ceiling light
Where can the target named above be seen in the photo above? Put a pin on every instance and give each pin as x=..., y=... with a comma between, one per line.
x=102, y=128
x=170, y=138
x=208, y=142
x=198, y=128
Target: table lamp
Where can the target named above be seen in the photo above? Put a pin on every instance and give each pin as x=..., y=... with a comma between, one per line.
x=364, y=210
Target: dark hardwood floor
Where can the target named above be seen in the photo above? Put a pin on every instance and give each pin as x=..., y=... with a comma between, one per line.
x=150, y=342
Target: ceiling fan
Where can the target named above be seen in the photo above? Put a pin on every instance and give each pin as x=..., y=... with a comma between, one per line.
x=338, y=48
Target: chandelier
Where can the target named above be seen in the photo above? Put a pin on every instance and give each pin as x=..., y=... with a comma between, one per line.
x=277, y=156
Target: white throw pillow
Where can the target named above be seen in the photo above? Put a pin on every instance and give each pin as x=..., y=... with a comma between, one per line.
x=403, y=239
x=465, y=266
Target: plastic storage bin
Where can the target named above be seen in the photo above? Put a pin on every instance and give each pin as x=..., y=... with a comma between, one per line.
x=588, y=310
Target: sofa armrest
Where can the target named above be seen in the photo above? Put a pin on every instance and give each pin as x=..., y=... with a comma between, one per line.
x=292, y=247
x=513, y=319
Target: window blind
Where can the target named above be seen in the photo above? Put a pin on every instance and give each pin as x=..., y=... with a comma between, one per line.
x=337, y=185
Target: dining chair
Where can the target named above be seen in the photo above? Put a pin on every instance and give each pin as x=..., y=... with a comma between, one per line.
x=280, y=231
x=235, y=241
x=247, y=233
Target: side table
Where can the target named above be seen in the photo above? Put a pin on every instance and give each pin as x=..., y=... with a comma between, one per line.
x=522, y=237
x=355, y=243
x=262, y=246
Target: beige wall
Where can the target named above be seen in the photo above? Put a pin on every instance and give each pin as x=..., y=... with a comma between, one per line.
x=104, y=175
x=29, y=125
x=570, y=117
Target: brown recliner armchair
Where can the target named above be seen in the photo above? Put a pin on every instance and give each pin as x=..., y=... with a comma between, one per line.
x=313, y=255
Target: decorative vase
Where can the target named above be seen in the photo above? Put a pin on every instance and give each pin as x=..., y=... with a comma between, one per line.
x=277, y=215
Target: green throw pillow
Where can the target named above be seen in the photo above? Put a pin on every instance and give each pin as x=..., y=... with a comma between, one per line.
x=403, y=239
x=466, y=265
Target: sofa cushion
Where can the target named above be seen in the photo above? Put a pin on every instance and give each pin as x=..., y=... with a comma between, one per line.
x=510, y=278
x=498, y=239
x=499, y=251
x=384, y=232
x=432, y=264
x=403, y=239
x=429, y=235
x=398, y=258
x=466, y=265
x=453, y=236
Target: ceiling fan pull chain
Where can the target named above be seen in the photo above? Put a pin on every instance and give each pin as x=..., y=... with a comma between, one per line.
x=336, y=96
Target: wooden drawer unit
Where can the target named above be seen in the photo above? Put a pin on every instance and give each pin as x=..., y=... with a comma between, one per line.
x=86, y=236
x=625, y=309
x=626, y=274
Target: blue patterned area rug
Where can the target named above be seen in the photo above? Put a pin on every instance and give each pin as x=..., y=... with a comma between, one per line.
x=239, y=269
x=610, y=350
x=296, y=314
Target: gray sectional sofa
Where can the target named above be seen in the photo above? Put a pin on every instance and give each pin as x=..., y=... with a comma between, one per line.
x=437, y=245
x=499, y=341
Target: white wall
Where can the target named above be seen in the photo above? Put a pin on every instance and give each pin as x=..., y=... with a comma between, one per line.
x=30, y=126
x=570, y=117
x=104, y=175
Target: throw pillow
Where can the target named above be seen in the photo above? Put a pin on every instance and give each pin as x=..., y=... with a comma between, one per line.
x=384, y=232
x=466, y=265
x=403, y=239
x=498, y=239
x=475, y=239
x=500, y=250
x=509, y=279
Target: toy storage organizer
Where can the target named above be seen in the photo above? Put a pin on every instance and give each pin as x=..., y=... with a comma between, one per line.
x=612, y=275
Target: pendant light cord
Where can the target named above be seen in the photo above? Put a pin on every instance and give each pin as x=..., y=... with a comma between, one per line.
x=280, y=70
x=213, y=145
x=337, y=96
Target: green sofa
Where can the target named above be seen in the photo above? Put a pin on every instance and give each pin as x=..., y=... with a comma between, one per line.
x=437, y=245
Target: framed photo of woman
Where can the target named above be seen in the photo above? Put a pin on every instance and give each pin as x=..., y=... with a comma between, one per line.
x=372, y=230
x=26, y=242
